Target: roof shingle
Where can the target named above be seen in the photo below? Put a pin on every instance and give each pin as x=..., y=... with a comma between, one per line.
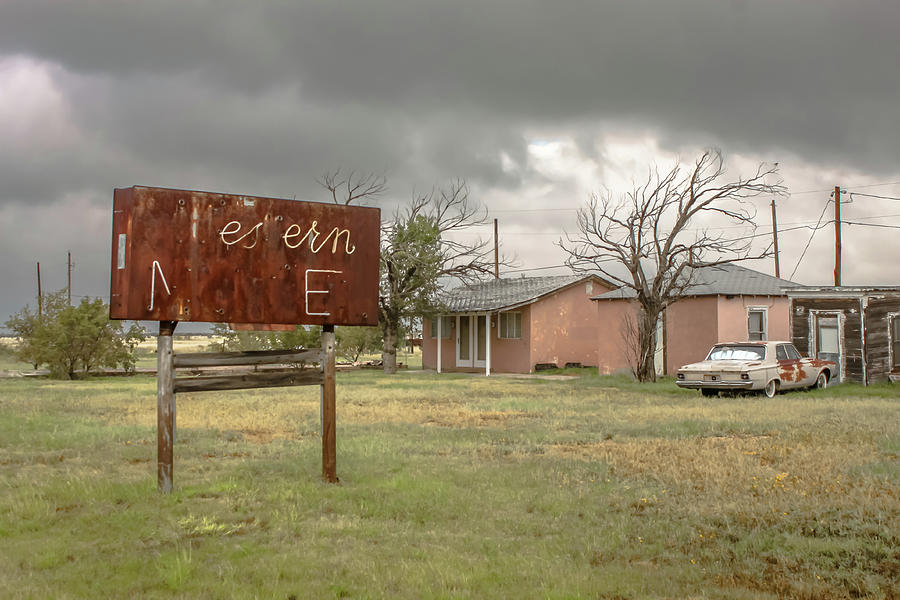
x=723, y=280
x=498, y=294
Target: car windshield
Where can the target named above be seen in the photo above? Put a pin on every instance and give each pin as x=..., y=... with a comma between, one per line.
x=737, y=353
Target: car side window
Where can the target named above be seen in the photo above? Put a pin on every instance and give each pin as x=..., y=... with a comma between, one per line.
x=781, y=352
x=792, y=352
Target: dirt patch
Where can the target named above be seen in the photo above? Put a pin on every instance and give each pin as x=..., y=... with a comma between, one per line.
x=465, y=418
x=266, y=436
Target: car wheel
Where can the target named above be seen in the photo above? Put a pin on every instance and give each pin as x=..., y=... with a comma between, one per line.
x=708, y=392
x=771, y=389
x=822, y=381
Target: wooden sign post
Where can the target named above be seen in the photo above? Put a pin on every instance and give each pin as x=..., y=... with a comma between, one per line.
x=165, y=406
x=181, y=255
x=329, y=416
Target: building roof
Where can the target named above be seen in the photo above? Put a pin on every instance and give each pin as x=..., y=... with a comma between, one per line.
x=845, y=291
x=723, y=280
x=500, y=294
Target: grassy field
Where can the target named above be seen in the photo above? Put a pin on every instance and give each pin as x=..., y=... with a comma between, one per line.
x=451, y=487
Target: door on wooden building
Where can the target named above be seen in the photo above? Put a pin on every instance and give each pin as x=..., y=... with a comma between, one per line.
x=828, y=342
x=471, y=341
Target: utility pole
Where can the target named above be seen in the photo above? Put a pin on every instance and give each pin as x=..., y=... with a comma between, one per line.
x=775, y=238
x=40, y=297
x=837, y=235
x=69, y=269
x=496, y=253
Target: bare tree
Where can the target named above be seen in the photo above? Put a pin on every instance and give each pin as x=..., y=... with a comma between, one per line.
x=420, y=248
x=354, y=186
x=631, y=343
x=652, y=240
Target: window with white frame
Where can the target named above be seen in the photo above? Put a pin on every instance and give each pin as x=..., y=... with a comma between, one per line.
x=895, y=341
x=510, y=326
x=756, y=324
x=445, y=328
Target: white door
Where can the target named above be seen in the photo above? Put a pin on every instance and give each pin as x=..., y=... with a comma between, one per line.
x=471, y=341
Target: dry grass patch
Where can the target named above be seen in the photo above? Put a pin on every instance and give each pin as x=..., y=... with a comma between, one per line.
x=461, y=487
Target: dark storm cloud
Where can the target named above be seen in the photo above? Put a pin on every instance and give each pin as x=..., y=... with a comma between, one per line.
x=811, y=77
x=263, y=98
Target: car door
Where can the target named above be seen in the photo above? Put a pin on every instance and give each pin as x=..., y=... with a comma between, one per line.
x=808, y=371
x=790, y=371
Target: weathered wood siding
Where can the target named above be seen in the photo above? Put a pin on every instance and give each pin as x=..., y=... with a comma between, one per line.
x=852, y=355
x=878, y=337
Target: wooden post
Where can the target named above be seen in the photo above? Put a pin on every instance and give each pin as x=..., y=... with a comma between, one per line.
x=775, y=239
x=165, y=406
x=329, y=421
x=837, y=235
x=40, y=295
x=69, y=270
x=496, y=252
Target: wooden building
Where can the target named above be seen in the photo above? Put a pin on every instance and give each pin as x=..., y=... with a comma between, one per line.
x=857, y=327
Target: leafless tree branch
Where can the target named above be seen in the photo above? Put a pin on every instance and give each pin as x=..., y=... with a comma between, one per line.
x=654, y=238
x=354, y=186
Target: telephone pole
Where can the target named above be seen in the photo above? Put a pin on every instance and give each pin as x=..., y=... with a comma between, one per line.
x=69, y=269
x=40, y=297
x=775, y=239
x=496, y=253
x=837, y=235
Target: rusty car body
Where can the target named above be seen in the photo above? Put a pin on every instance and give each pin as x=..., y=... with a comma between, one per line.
x=754, y=366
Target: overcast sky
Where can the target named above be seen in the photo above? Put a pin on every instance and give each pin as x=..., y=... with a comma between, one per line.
x=535, y=104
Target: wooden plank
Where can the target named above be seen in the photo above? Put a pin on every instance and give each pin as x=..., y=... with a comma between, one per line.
x=165, y=407
x=248, y=381
x=259, y=357
x=329, y=419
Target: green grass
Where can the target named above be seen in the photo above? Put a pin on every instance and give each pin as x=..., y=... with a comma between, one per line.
x=452, y=486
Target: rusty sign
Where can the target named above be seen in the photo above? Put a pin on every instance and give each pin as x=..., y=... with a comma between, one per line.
x=182, y=255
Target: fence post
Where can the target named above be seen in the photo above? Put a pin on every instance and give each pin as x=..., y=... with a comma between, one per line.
x=165, y=406
x=329, y=440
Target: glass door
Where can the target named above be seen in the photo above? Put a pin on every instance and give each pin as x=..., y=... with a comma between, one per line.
x=480, y=341
x=464, y=341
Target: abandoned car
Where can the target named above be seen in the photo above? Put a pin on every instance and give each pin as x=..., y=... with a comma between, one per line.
x=757, y=366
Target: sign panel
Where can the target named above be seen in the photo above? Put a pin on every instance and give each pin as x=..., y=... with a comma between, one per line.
x=181, y=255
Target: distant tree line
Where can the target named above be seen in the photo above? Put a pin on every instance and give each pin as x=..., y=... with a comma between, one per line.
x=350, y=342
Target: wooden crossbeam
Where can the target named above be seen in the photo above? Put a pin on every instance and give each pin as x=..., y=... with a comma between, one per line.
x=246, y=381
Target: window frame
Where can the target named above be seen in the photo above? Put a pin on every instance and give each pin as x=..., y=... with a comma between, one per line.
x=503, y=328
x=445, y=327
x=894, y=340
x=764, y=333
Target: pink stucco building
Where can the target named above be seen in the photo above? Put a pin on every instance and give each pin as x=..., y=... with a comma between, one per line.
x=515, y=325
x=729, y=303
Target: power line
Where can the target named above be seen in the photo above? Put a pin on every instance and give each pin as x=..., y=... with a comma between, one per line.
x=859, y=187
x=522, y=210
x=872, y=225
x=872, y=196
x=533, y=269
x=815, y=229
